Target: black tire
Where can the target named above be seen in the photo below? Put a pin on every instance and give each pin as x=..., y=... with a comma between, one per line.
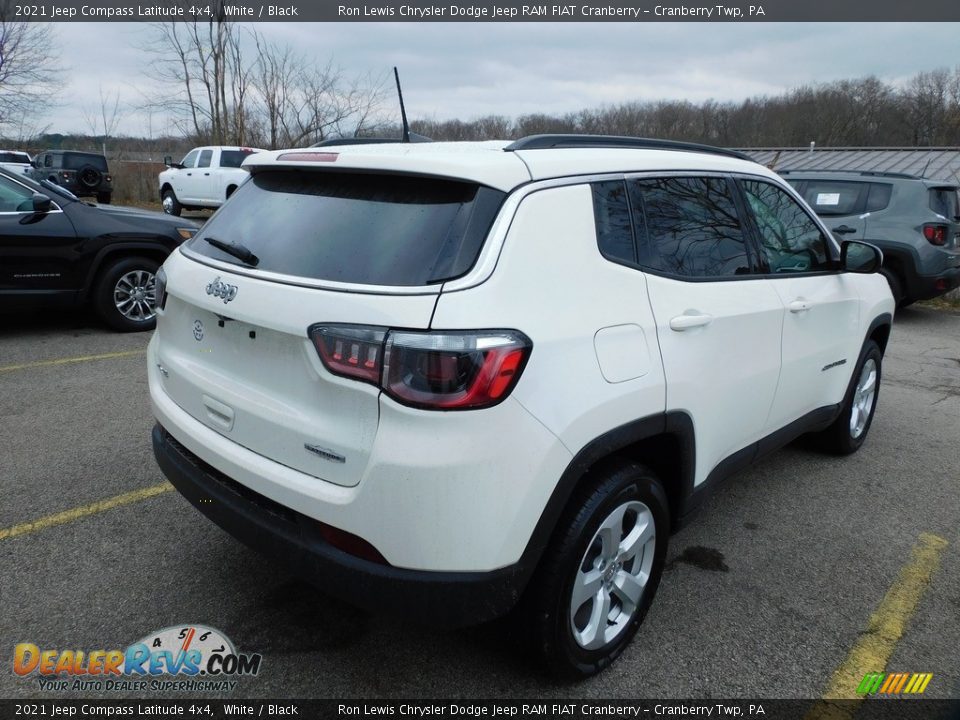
x=89, y=177
x=104, y=198
x=171, y=206
x=557, y=634
x=840, y=438
x=124, y=279
x=896, y=286
x=230, y=191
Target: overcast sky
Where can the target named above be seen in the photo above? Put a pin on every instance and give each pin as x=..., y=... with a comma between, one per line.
x=465, y=70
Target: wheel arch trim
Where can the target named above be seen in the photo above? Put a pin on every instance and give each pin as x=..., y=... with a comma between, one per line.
x=676, y=425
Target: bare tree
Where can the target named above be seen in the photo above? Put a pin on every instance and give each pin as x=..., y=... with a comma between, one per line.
x=202, y=63
x=230, y=86
x=925, y=98
x=104, y=118
x=28, y=70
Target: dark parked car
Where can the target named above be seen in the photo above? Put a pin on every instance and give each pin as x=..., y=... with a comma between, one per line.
x=85, y=174
x=56, y=250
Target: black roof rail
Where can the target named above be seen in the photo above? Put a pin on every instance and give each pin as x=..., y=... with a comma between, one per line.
x=414, y=138
x=543, y=142
x=868, y=173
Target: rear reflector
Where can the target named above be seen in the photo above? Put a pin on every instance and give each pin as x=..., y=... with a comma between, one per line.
x=351, y=544
x=430, y=370
x=309, y=156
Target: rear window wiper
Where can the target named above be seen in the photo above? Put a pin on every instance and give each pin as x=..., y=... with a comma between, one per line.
x=239, y=251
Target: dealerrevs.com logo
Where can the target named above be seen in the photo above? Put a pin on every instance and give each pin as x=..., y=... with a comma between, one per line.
x=185, y=658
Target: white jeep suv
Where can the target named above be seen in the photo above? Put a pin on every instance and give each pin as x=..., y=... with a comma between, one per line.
x=444, y=380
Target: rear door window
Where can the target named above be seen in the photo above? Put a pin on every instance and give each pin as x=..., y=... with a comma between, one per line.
x=836, y=197
x=688, y=227
x=878, y=197
x=205, y=157
x=389, y=230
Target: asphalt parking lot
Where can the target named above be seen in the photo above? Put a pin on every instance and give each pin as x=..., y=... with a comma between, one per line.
x=766, y=593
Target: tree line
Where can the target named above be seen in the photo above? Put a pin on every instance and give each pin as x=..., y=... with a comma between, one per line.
x=865, y=112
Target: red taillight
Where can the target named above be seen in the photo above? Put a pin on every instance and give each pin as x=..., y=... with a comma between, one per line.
x=431, y=370
x=353, y=351
x=936, y=234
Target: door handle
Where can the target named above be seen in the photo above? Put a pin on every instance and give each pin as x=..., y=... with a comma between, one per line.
x=687, y=321
x=190, y=174
x=844, y=230
x=207, y=174
x=799, y=306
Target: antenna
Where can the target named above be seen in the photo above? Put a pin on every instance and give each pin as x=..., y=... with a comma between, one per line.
x=923, y=173
x=403, y=111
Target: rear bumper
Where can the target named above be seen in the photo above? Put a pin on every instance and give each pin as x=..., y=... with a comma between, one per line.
x=924, y=287
x=448, y=599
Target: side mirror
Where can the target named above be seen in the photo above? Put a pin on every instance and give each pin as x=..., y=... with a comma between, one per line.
x=41, y=203
x=860, y=257
x=167, y=160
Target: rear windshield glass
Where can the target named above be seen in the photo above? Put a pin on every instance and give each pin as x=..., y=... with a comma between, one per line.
x=233, y=158
x=77, y=161
x=943, y=201
x=14, y=157
x=353, y=228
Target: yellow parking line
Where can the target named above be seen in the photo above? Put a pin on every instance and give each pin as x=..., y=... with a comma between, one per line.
x=886, y=626
x=67, y=361
x=60, y=518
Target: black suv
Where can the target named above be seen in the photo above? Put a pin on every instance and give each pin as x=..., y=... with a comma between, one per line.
x=56, y=250
x=85, y=174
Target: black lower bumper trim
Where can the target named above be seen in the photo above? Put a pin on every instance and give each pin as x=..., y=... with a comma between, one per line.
x=925, y=287
x=445, y=599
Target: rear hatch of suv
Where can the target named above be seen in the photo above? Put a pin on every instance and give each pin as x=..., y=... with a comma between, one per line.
x=346, y=253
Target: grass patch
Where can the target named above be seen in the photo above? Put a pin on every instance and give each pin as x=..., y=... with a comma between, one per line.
x=949, y=302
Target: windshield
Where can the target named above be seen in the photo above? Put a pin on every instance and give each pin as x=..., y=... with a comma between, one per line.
x=367, y=229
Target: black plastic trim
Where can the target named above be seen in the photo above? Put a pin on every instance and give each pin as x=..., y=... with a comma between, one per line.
x=813, y=421
x=444, y=599
x=884, y=319
x=594, y=451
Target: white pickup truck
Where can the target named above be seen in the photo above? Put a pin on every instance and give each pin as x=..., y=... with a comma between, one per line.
x=15, y=161
x=205, y=178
